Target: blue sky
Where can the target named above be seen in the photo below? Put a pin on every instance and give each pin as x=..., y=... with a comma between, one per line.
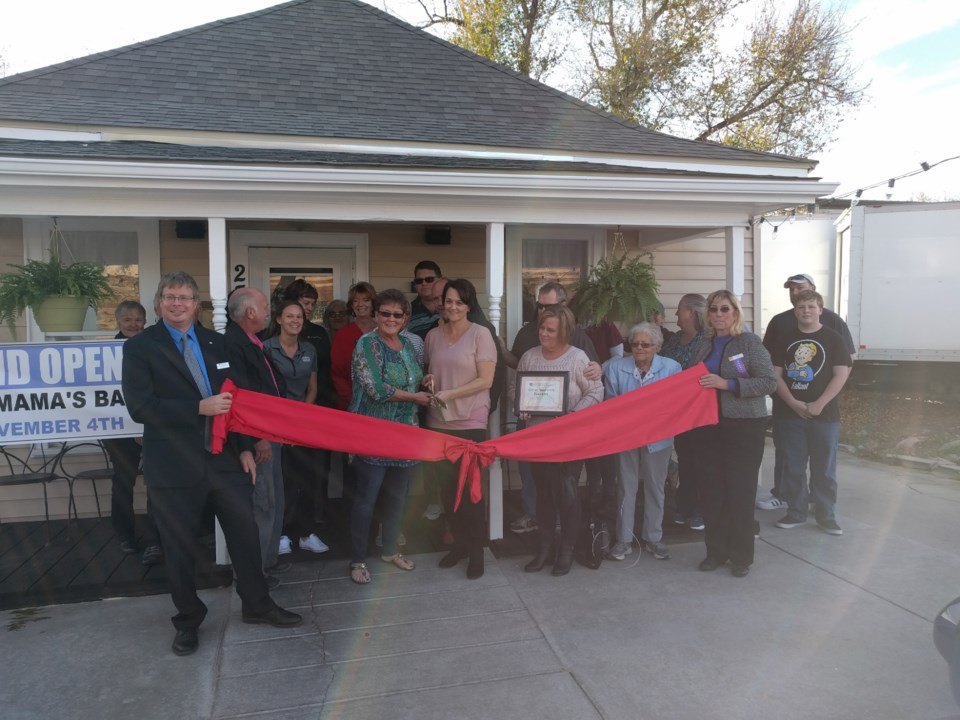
x=909, y=52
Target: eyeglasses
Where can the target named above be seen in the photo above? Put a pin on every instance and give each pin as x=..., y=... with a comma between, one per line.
x=722, y=309
x=177, y=298
x=645, y=346
x=541, y=306
x=394, y=315
x=428, y=279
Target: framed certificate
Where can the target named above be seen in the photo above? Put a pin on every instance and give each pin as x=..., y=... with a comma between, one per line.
x=541, y=392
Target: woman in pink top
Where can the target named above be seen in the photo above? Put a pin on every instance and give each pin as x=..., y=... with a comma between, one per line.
x=461, y=357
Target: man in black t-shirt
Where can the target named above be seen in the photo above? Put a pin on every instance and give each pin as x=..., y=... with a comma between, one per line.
x=780, y=325
x=812, y=364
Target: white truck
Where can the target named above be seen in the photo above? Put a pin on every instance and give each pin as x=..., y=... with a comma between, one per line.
x=892, y=271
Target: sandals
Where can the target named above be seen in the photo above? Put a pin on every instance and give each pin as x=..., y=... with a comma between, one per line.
x=359, y=573
x=399, y=560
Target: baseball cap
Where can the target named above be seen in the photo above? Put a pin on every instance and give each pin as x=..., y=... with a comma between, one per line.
x=800, y=278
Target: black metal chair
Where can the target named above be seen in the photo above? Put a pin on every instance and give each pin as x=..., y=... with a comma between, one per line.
x=102, y=471
x=19, y=471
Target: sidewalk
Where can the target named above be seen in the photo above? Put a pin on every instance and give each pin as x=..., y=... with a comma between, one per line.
x=823, y=627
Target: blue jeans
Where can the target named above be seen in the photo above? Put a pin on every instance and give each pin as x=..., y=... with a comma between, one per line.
x=815, y=442
x=370, y=479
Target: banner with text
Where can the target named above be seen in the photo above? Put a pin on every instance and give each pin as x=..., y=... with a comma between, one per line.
x=62, y=391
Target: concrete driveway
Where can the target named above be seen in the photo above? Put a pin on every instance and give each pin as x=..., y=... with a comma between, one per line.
x=823, y=627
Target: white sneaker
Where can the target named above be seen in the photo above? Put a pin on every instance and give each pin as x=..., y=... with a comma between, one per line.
x=771, y=503
x=432, y=512
x=313, y=544
x=285, y=547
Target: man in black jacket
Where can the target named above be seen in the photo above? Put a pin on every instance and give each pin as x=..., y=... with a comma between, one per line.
x=250, y=312
x=170, y=374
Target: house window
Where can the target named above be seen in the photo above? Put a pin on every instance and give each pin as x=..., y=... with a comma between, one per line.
x=118, y=252
x=320, y=277
x=562, y=261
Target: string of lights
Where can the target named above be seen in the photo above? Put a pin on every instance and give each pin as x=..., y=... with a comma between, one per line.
x=890, y=182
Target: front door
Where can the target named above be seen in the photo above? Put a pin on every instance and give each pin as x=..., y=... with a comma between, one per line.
x=329, y=270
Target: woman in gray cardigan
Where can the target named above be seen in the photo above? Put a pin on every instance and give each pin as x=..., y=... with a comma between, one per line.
x=730, y=452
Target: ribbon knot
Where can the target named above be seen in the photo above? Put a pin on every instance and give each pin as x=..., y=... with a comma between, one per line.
x=472, y=457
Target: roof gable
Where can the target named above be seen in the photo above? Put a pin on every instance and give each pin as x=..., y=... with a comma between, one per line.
x=330, y=68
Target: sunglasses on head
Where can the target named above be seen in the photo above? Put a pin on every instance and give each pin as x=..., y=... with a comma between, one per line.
x=428, y=279
x=395, y=315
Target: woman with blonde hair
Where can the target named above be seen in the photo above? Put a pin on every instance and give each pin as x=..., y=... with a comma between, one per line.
x=729, y=453
x=556, y=483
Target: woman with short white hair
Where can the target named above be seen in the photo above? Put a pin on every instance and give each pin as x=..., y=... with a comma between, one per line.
x=651, y=462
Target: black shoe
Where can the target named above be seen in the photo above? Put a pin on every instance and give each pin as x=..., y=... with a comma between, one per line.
x=475, y=566
x=185, y=642
x=152, y=555
x=740, y=570
x=452, y=558
x=564, y=561
x=709, y=564
x=276, y=616
x=128, y=547
x=539, y=560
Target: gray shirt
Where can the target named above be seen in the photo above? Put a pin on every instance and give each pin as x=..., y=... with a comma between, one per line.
x=295, y=370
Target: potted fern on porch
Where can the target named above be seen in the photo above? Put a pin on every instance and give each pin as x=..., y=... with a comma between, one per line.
x=58, y=294
x=618, y=289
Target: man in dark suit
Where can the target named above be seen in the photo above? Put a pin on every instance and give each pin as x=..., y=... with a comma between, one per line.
x=170, y=373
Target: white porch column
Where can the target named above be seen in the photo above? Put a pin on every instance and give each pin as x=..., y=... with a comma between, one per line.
x=217, y=233
x=733, y=236
x=495, y=266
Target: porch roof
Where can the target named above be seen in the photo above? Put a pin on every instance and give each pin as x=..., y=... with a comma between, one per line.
x=332, y=69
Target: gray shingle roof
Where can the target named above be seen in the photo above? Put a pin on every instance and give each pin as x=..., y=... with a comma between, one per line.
x=168, y=152
x=329, y=68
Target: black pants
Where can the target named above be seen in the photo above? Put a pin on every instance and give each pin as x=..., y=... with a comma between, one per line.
x=729, y=456
x=468, y=522
x=557, y=492
x=177, y=512
x=688, y=493
x=125, y=457
x=602, y=484
x=305, y=479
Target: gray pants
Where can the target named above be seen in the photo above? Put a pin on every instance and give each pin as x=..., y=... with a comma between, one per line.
x=652, y=468
x=268, y=505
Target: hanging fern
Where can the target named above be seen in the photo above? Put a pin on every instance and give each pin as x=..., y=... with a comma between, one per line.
x=618, y=288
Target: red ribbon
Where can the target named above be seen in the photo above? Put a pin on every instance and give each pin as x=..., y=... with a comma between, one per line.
x=641, y=417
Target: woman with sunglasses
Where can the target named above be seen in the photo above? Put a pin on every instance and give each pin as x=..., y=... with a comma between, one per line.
x=461, y=357
x=336, y=317
x=729, y=453
x=386, y=384
x=360, y=302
